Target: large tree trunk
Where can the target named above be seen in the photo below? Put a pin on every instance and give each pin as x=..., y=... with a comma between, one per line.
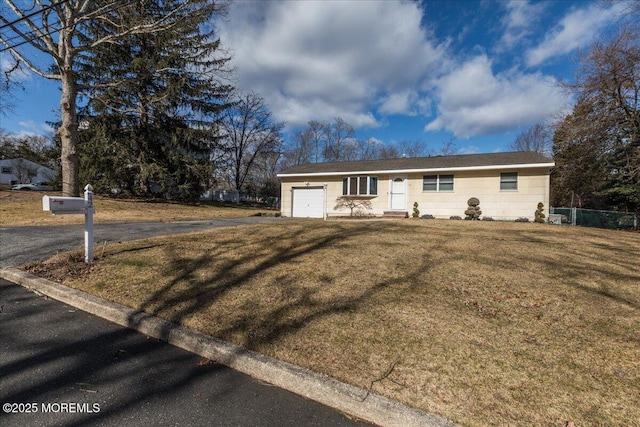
x=69, y=116
x=69, y=135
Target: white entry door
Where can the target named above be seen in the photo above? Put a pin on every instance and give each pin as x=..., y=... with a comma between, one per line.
x=398, y=196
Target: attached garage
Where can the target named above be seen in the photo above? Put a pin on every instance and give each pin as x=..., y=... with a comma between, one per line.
x=307, y=202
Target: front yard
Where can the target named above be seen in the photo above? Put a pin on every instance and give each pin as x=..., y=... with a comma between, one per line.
x=25, y=208
x=485, y=323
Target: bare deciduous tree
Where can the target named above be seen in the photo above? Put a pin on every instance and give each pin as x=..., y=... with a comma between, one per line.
x=537, y=138
x=318, y=133
x=414, y=148
x=339, y=142
x=250, y=133
x=389, y=152
x=23, y=170
x=368, y=149
x=8, y=84
x=448, y=148
x=300, y=148
x=36, y=148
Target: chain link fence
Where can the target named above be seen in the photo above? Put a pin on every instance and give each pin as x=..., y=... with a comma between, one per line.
x=596, y=218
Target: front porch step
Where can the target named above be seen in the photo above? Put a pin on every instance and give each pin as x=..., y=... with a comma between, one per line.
x=395, y=214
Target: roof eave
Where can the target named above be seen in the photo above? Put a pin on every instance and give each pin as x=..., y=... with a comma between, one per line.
x=420, y=170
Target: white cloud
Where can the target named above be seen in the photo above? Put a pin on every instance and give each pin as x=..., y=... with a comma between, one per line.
x=407, y=102
x=364, y=61
x=32, y=127
x=474, y=101
x=579, y=28
x=320, y=60
x=469, y=149
x=397, y=103
x=518, y=21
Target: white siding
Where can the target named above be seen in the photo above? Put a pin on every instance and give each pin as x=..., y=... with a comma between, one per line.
x=533, y=187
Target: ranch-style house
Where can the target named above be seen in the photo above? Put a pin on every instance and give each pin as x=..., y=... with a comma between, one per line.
x=509, y=186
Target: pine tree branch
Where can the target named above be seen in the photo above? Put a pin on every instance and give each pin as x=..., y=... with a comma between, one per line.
x=158, y=26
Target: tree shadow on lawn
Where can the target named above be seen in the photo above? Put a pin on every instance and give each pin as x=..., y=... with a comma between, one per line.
x=209, y=280
x=606, y=267
x=303, y=305
x=571, y=262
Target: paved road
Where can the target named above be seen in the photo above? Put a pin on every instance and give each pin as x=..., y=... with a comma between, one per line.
x=19, y=245
x=53, y=355
x=75, y=369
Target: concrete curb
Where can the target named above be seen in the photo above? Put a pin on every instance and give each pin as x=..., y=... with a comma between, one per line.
x=321, y=388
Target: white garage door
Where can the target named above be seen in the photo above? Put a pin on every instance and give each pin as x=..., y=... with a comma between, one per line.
x=308, y=203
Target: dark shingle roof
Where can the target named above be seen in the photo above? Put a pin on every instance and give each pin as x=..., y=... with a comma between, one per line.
x=422, y=163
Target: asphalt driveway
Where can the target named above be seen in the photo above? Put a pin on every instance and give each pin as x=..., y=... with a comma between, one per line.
x=19, y=245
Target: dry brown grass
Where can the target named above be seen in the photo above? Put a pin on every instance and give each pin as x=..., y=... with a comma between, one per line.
x=483, y=323
x=25, y=208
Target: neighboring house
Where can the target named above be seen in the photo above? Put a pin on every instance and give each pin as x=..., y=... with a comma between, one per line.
x=22, y=171
x=509, y=186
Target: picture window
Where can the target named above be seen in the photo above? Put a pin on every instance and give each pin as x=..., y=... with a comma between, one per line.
x=360, y=186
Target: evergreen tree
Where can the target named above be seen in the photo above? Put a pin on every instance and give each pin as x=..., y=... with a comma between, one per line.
x=577, y=177
x=154, y=109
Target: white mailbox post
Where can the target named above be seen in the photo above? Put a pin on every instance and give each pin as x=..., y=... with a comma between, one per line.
x=75, y=205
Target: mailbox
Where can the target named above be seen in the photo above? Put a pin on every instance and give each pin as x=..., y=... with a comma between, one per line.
x=64, y=205
x=75, y=205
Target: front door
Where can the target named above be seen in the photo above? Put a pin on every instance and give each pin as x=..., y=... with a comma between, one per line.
x=398, y=196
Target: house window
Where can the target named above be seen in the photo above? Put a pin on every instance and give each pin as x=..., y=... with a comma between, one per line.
x=6, y=170
x=373, y=185
x=430, y=183
x=509, y=181
x=360, y=186
x=437, y=183
x=445, y=182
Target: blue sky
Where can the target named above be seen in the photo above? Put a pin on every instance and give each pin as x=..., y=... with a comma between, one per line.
x=477, y=72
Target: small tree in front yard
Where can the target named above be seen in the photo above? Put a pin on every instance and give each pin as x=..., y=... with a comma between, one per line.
x=473, y=211
x=540, y=213
x=416, y=211
x=354, y=204
x=23, y=171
